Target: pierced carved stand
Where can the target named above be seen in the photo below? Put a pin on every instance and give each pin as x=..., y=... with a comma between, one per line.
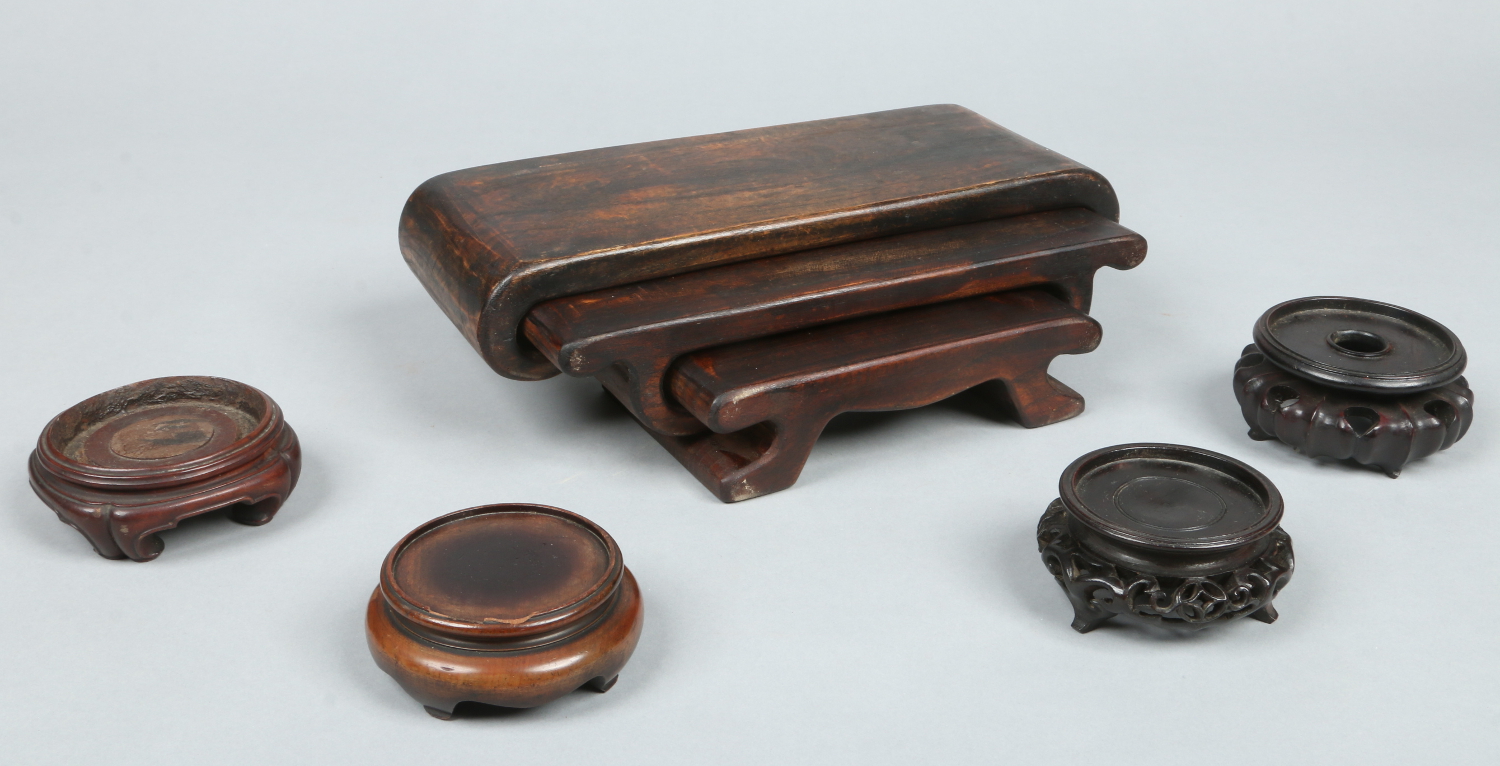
x=1354, y=379
x=129, y=463
x=1166, y=535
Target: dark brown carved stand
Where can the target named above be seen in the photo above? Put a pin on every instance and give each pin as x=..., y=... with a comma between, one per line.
x=737, y=291
x=1172, y=536
x=1354, y=379
x=512, y=605
x=129, y=463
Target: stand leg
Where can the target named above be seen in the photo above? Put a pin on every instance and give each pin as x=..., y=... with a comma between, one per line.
x=602, y=684
x=255, y=514
x=1038, y=399
x=748, y=463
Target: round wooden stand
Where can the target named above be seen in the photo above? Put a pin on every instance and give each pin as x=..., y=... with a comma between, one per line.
x=512, y=605
x=1172, y=536
x=1354, y=379
x=122, y=466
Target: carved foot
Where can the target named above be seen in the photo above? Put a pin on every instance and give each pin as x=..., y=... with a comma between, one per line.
x=1266, y=614
x=441, y=715
x=138, y=547
x=1038, y=399
x=602, y=684
x=1084, y=622
x=1261, y=436
x=255, y=514
x=748, y=463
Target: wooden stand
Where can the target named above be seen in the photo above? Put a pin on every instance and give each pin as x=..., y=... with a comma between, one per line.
x=127, y=464
x=628, y=336
x=1354, y=379
x=767, y=400
x=737, y=291
x=512, y=605
x=1164, y=535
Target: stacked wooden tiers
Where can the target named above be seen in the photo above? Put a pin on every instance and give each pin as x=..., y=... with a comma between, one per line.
x=737, y=291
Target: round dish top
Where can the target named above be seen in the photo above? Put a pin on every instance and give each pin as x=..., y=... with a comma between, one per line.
x=159, y=432
x=1360, y=345
x=502, y=570
x=1171, y=498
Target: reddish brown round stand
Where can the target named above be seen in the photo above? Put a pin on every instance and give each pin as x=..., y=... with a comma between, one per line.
x=512, y=605
x=126, y=464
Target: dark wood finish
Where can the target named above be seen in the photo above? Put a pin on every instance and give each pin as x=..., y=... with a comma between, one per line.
x=512, y=605
x=627, y=336
x=127, y=464
x=1166, y=535
x=1354, y=379
x=492, y=242
x=767, y=400
x=1360, y=345
x=1383, y=431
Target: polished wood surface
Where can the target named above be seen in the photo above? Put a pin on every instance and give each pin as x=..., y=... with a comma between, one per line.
x=512, y=605
x=1383, y=431
x=767, y=400
x=125, y=465
x=1166, y=535
x=490, y=243
x=627, y=336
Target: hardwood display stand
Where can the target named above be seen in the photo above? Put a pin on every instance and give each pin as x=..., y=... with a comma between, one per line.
x=1354, y=379
x=129, y=463
x=736, y=291
x=1165, y=535
x=513, y=605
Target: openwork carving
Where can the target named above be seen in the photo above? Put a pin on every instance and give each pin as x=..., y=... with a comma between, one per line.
x=1100, y=590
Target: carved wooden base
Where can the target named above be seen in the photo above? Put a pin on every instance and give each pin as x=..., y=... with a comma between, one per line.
x=1101, y=591
x=127, y=464
x=629, y=336
x=126, y=524
x=1383, y=431
x=766, y=401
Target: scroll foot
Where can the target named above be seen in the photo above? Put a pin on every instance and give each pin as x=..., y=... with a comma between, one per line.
x=442, y=715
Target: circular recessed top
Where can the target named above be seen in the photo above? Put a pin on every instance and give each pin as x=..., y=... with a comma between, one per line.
x=501, y=571
x=1170, y=497
x=154, y=434
x=159, y=433
x=1360, y=345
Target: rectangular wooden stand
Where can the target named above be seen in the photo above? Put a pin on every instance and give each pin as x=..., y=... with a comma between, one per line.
x=767, y=400
x=737, y=291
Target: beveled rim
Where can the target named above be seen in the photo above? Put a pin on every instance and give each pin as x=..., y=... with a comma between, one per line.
x=1255, y=480
x=556, y=623
x=246, y=448
x=1303, y=366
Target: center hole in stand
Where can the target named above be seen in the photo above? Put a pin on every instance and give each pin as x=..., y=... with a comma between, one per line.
x=1359, y=343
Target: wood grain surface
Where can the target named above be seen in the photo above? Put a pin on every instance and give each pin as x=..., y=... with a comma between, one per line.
x=489, y=243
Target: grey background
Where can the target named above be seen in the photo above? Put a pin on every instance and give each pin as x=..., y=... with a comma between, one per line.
x=193, y=188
